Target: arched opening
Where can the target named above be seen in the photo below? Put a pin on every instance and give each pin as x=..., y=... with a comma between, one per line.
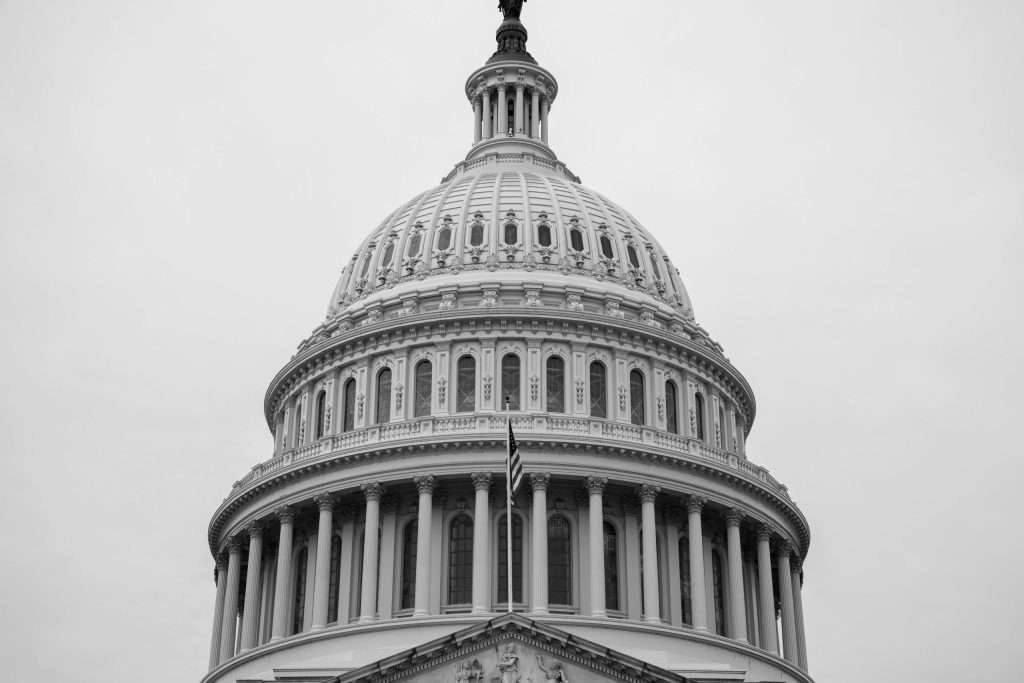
x=510, y=381
x=389, y=251
x=598, y=390
x=544, y=235
x=299, y=595
x=321, y=413
x=684, y=580
x=555, y=381
x=576, y=239
x=611, y=567
x=559, y=561
x=408, y=597
x=517, y=559
x=349, y=414
x=636, y=397
x=423, y=388
x=606, y=247
x=476, y=235
x=634, y=260
x=383, y=396
x=511, y=233
x=332, y=590
x=718, y=591
x=460, y=561
x=722, y=435
x=413, y=249
x=297, y=422
x=698, y=403
x=444, y=238
x=671, y=407
x=465, y=389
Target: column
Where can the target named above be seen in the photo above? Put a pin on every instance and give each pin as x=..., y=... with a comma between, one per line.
x=673, y=523
x=386, y=552
x=698, y=595
x=520, y=110
x=487, y=115
x=481, y=543
x=218, y=613
x=789, y=647
x=737, y=611
x=769, y=632
x=539, y=582
x=251, y=610
x=284, y=573
x=595, y=486
x=652, y=601
x=345, y=576
x=425, y=486
x=477, y=120
x=230, y=616
x=535, y=114
x=502, y=107
x=368, y=599
x=544, y=106
x=631, y=528
x=322, y=579
x=798, y=608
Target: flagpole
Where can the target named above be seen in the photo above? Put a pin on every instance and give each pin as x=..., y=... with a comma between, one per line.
x=508, y=508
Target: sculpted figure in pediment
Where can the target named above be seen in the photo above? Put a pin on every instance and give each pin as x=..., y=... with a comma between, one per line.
x=554, y=672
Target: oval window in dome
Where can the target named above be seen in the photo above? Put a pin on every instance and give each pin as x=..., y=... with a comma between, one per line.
x=606, y=247
x=511, y=233
x=544, y=235
x=414, y=245
x=634, y=260
x=476, y=235
x=389, y=251
x=654, y=266
x=576, y=239
x=366, y=264
x=444, y=238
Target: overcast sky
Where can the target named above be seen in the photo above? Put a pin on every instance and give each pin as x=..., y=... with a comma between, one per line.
x=841, y=185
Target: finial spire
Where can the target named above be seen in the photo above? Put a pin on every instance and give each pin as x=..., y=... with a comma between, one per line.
x=511, y=34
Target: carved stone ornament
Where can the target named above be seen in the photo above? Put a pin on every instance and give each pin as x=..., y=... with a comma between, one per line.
x=469, y=672
x=534, y=387
x=693, y=421
x=488, y=386
x=695, y=504
x=325, y=501
x=361, y=404
x=481, y=481
x=372, y=491
x=573, y=302
x=623, y=395
x=540, y=480
x=490, y=298
x=286, y=514
x=508, y=664
x=596, y=484
x=580, y=391
x=399, y=395
x=553, y=671
x=442, y=385
x=648, y=492
x=424, y=484
x=661, y=407
x=447, y=301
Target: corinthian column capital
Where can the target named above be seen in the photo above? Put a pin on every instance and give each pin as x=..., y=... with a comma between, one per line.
x=695, y=504
x=481, y=481
x=255, y=530
x=540, y=480
x=596, y=484
x=373, y=491
x=325, y=501
x=733, y=517
x=424, y=484
x=764, y=532
x=647, y=493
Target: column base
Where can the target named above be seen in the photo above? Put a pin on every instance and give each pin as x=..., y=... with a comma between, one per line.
x=421, y=613
x=480, y=610
x=598, y=613
x=366, y=620
x=318, y=627
x=652, y=620
x=541, y=611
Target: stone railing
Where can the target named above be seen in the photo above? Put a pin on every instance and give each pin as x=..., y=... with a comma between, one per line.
x=555, y=427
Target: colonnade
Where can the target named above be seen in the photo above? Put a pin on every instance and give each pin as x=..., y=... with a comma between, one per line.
x=744, y=603
x=491, y=112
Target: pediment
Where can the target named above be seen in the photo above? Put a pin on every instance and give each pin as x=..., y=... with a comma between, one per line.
x=509, y=649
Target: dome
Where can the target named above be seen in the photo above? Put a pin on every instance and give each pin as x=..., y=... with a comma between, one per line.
x=512, y=215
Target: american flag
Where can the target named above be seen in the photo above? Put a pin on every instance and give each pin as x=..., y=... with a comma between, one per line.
x=514, y=464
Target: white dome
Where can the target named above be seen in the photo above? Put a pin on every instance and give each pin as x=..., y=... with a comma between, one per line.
x=511, y=212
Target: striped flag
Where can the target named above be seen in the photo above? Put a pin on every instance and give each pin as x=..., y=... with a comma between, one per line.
x=514, y=464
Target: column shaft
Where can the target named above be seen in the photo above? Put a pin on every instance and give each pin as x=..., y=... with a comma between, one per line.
x=502, y=105
x=540, y=542
x=284, y=574
x=520, y=110
x=424, y=521
x=769, y=630
x=487, y=115
x=218, y=614
x=535, y=114
x=545, y=105
x=798, y=607
x=737, y=608
x=595, y=485
x=251, y=610
x=368, y=599
x=789, y=646
x=652, y=601
x=477, y=120
x=230, y=616
x=481, y=543
x=322, y=578
x=698, y=591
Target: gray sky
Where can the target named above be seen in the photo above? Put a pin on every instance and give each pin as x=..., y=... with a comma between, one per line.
x=840, y=184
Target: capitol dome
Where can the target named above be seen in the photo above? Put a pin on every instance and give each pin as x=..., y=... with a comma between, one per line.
x=509, y=312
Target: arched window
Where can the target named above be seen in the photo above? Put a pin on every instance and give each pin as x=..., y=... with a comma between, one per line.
x=460, y=561
x=684, y=579
x=349, y=416
x=555, y=385
x=424, y=386
x=698, y=401
x=598, y=390
x=511, y=233
x=332, y=589
x=606, y=247
x=510, y=381
x=718, y=591
x=299, y=604
x=383, y=396
x=671, y=408
x=321, y=414
x=409, y=566
x=476, y=234
x=634, y=260
x=636, y=397
x=576, y=239
x=559, y=561
x=544, y=235
x=414, y=244
x=611, y=567
x=465, y=390
x=444, y=238
x=517, y=559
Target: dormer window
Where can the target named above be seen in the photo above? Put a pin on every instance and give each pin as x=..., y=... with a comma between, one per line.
x=511, y=233
x=576, y=239
x=444, y=238
x=606, y=247
x=544, y=235
x=634, y=260
x=476, y=235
